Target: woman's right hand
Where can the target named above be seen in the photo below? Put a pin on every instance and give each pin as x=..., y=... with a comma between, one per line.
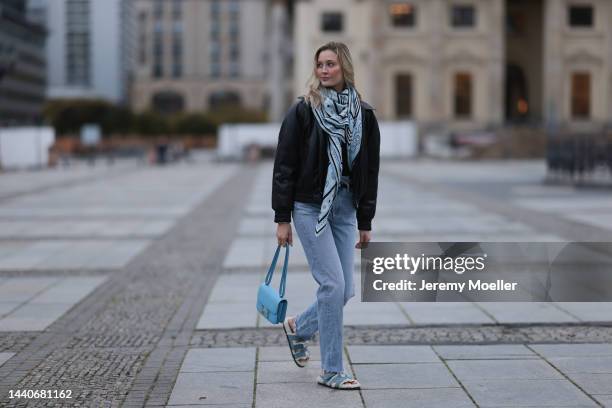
x=283, y=234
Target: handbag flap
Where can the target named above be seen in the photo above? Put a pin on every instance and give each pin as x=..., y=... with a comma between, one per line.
x=270, y=304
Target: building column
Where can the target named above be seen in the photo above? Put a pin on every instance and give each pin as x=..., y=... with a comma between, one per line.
x=376, y=90
x=277, y=61
x=497, y=71
x=553, y=63
x=607, y=73
x=436, y=72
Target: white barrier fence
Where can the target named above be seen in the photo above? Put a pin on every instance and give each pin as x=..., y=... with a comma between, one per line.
x=397, y=139
x=25, y=147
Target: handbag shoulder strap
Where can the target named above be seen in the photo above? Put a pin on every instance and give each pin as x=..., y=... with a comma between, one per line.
x=273, y=266
x=281, y=289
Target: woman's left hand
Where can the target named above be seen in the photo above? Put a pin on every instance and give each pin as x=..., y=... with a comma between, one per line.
x=364, y=238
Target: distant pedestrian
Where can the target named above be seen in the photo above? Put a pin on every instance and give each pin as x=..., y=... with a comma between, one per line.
x=326, y=176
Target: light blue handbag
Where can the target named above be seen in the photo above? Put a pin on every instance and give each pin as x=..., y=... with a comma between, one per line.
x=271, y=304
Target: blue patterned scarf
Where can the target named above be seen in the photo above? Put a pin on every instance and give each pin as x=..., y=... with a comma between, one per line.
x=340, y=116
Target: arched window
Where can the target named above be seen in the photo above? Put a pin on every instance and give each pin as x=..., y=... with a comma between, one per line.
x=221, y=99
x=168, y=102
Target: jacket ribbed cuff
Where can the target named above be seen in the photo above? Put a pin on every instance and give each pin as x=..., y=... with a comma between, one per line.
x=282, y=216
x=364, y=225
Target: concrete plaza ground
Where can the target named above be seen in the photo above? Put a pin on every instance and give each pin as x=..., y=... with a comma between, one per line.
x=135, y=286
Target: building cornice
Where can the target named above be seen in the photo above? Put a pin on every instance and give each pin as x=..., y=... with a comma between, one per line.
x=463, y=56
x=583, y=56
x=405, y=57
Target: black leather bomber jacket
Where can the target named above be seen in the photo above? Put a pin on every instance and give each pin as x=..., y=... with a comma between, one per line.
x=300, y=164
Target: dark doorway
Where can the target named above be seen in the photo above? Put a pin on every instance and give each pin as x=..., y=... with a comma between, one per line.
x=524, y=85
x=517, y=97
x=403, y=96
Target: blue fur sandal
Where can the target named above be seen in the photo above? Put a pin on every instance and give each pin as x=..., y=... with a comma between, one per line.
x=339, y=381
x=297, y=346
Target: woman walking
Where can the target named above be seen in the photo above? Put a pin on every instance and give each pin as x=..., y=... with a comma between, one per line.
x=326, y=176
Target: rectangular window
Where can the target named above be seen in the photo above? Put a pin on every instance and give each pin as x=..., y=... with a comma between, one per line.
x=177, y=48
x=158, y=27
x=581, y=95
x=215, y=8
x=177, y=10
x=215, y=70
x=331, y=22
x=78, y=42
x=177, y=70
x=142, y=38
x=158, y=9
x=234, y=30
x=463, y=95
x=234, y=52
x=234, y=69
x=403, y=95
x=463, y=16
x=402, y=14
x=580, y=16
x=158, y=51
x=215, y=29
x=214, y=52
x=158, y=46
x=142, y=55
x=234, y=8
x=158, y=71
x=234, y=34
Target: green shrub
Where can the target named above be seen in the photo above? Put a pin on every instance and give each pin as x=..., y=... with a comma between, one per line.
x=151, y=124
x=67, y=116
x=237, y=114
x=194, y=124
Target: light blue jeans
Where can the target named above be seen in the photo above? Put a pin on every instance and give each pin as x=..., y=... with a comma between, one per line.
x=331, y=260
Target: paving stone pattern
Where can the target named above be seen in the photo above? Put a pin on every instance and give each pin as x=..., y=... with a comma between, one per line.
x=399, y=376
x=133, y=318
x=170, y=319
x=32, y=304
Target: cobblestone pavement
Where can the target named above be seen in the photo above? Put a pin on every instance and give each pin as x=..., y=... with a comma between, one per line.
x=143, y=337
x=447, y=334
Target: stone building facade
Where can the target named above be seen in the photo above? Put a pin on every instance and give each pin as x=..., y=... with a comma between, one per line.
x=470, y=64
x=194, y=55
x=89, y=48
x=22, y=66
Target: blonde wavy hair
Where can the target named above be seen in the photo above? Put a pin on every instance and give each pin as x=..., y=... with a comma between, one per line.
x=313, y=95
